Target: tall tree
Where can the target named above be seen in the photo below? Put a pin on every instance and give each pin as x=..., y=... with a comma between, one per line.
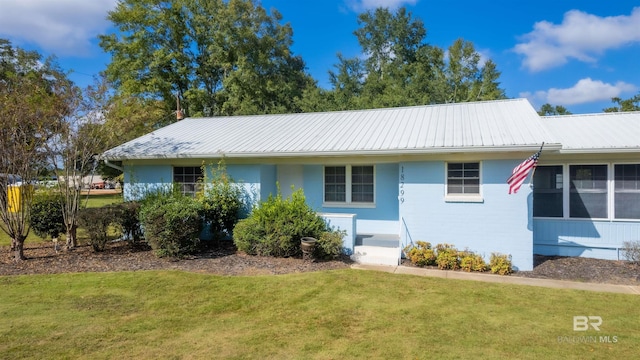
x=35, y=97
x=548, y=109
x=398, y=68
x=219, y=57
x=631, y=104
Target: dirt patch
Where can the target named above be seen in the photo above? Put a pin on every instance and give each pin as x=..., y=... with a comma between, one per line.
x=225, y=260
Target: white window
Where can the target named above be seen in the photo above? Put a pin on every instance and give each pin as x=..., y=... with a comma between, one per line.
x=188, y=179
x=349, y=184
x=463, y=182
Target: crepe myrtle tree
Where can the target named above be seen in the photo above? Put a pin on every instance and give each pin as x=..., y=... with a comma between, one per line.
x=75, y=152
x=35, y=98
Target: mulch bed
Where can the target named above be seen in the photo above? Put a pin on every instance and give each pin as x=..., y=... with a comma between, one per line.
x=120, y=256
x=225, y=260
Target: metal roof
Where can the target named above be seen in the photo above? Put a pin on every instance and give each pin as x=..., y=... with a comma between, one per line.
x=504, y=125
x=605, y=132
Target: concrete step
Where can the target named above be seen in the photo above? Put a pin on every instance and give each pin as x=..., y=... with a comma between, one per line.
x=376, y=255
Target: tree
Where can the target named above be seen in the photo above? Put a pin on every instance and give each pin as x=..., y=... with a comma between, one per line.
x=219, y=57
x=548, y=109
x=75, y=150
x=35, y=97
x=631, y=104
x=399, y=69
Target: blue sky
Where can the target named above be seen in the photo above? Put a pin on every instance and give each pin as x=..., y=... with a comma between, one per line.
x=578, y=54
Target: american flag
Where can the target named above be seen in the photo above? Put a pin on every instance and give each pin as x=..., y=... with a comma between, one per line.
x=521, y=171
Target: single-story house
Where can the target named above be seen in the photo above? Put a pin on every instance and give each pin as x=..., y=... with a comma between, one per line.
x=436, y=173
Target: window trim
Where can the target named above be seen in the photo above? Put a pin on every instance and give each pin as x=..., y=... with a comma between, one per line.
x=348, y=188
x=469, y=198
x=181, y=184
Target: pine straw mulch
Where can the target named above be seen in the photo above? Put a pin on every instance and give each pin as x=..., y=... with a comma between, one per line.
x=225, y=260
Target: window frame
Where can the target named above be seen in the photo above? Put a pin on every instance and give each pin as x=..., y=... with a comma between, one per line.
x=348, y=187
x=463, y=197
x=615, y=191
x=184, y=185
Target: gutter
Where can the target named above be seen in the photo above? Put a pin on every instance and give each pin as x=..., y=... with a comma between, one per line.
x=112, y=165
x=295, y=154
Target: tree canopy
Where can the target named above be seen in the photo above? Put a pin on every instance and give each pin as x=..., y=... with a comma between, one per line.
x=398, y=68
x=219, y=57
x=548, y=109
x=631, y=104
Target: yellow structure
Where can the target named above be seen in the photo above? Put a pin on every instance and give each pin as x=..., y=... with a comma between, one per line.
x=15, y=196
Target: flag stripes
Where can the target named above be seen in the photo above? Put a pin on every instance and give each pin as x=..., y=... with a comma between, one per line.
x=521, y=171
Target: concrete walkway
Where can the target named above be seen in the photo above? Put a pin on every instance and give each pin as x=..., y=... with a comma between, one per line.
x=516, y=280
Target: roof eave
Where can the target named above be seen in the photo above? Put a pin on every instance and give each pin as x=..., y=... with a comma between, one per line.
x=303, y=154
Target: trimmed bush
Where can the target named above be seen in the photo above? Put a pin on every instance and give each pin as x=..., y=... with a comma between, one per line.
x=172, y=224
x=447, y=257
x=276, y=226
x=421, y=254
x=329, y=244
x=470, y=261
x=46, y=216
x=127, y=216
x=500, y=264
x=96, y=222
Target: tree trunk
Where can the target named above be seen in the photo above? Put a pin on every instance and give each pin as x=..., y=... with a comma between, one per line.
x=18, y=249
x=72, y=240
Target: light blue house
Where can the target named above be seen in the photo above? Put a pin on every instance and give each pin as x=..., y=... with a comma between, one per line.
x=437, y=173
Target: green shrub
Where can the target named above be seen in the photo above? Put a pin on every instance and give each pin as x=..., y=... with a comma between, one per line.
x=172, y=224
x=279, y=225
x=470, y=261
x=46, y=216
x=96, y=222
x=127, y=216
x=421, y=254
x=329, y=244
x=500, y=264
x=247, y=235
x=447, y=257
x=222, y=203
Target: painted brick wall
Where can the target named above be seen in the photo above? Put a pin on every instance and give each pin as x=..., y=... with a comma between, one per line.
x=383, y=219
x=501, y=223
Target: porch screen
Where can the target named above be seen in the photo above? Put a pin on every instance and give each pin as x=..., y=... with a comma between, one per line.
x=547, y=191
x=588, y=191
x=627, y=191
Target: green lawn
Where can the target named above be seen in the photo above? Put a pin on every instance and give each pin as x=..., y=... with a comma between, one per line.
x=329, y=315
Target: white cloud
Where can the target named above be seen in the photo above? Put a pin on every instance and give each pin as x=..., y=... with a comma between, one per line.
x=584, y=91
x=363, y=5
x=62, y=27
x=580, y=36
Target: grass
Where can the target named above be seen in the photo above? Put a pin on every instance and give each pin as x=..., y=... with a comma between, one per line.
x=93, y=200
x=327, y=315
